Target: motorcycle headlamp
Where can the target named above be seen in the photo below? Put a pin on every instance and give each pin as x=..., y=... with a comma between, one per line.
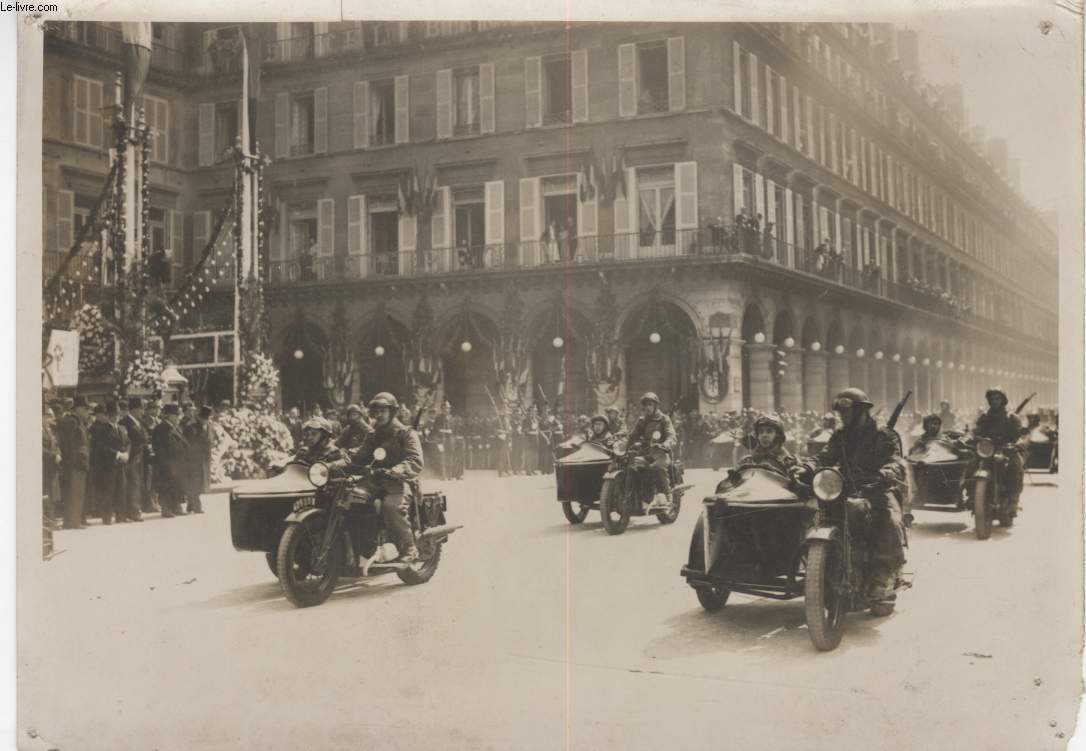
x=318, y=474
x=827, y=484
x=985, y=448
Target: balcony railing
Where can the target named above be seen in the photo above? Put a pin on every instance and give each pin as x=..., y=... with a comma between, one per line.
x=331, y=44
x=108, y=40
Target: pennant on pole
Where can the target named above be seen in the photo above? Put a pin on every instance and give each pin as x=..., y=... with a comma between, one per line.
x=137, y=52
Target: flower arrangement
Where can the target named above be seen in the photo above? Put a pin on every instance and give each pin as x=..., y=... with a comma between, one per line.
x=247, y=443
x=95, y=342
x=260, y=380
x=144, y=372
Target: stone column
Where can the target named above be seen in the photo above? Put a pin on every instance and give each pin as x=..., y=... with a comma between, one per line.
x=838, y=374
x=791, y=387
x=858, y=371
x=761, y=383
x=876, y=380
x=733, y=400
x=814, y=381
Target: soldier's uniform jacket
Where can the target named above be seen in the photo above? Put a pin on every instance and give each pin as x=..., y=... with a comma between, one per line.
x=353, y=436
x=74, y=442
x=645, y=426
x=403, y=453
x=777, y=456
x=873, y=454
x=1001, y=426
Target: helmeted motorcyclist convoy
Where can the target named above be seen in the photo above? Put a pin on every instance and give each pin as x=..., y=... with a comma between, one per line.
x=829, y=526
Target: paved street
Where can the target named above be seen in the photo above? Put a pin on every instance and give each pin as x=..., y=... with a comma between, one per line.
x=538, y=635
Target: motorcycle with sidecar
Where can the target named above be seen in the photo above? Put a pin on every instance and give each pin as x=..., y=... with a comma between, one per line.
x=763, y=534
x=313, y=529
x=939, y=467
x=628, y=487
x=579, y=476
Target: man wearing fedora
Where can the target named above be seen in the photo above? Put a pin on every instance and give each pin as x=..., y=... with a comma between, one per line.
x=108, y=458
x=171, y=451
x=197, y=435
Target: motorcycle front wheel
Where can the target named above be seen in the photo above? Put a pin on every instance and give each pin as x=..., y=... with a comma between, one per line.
x=982, y=520
x=303, y=585
x=613, y=511
x=824, y=595
x=575, y=511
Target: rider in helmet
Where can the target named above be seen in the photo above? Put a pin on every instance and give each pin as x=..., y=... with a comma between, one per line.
x=869, y=458
x=316, y=444
x=769, y=438
x=933, y=428
x=403, y=459
x=600, y=432
x=1005, y=430
x=654, y=430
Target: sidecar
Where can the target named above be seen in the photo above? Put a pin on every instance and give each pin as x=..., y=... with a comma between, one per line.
x=750, y=538
x=579, y=478
x=568, y=446
x=259, y=508
x=938, y=468
x=1042, y=453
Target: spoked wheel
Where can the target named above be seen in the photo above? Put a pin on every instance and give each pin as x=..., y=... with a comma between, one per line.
x=982, y=521
x=304, y=582
x=575, y=511
x=424, y=569
x=672, y=513
x=824, y=593
x=615, y=517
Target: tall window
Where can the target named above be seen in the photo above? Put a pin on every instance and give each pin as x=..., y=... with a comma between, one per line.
x=87, y=128
x=382, y=112
x=385, y=235
x=746, y=96
x=748, y=193
x=226, y=127
x=301, y=124
x=557, y=90
x=652, y=93
x=778, y=101
x=157, y=221
x=469, y=210
x=466, y=93
x=560, y=206
x=656, y=206
x=158, y=120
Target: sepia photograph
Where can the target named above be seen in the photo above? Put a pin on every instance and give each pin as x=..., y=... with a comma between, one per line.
x=552, y=381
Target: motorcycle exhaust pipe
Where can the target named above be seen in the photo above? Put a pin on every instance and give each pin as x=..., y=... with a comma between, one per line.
x=443, y=531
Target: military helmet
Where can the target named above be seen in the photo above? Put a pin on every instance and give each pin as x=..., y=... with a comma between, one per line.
x=318, y=423
x=851, y=396
x=384, y=399
x=995, y=391
x=599, y=418
x=649, y=396
x=769, y=421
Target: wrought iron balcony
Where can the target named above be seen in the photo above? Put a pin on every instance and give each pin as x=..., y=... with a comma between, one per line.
x=109, y=41
x=331, y=44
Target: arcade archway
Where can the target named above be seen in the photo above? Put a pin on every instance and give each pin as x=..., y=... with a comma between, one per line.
x=299, y=361
x=661, y=346
x=559, y=360
x=380, y=353
x=467, y=358
x=757, y=387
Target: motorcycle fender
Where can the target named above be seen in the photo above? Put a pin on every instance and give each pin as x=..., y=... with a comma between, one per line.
x=297, y=517
x=823, y=533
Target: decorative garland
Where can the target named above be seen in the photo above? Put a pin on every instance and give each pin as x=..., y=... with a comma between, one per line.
x=259, y=380
x=144, y=372
x=247, y=443
x=95, y=342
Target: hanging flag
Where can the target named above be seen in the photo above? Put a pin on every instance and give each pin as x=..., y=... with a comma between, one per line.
x=137, y=53
x=251, y=74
